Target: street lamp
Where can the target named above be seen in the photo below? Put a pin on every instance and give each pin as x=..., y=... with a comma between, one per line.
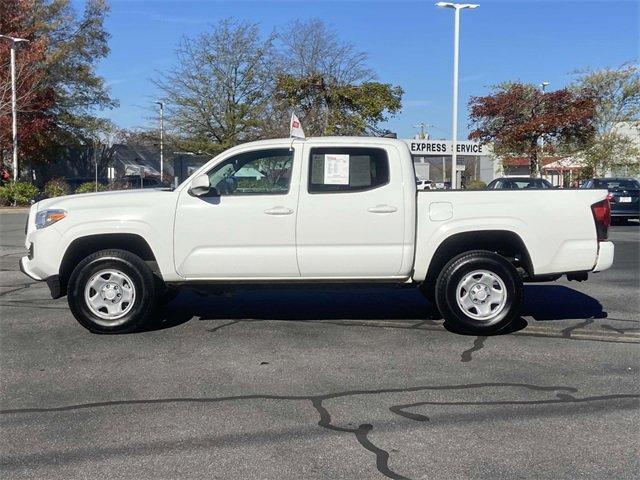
x=543, y=86
x=456, y=42
x=161, y=140
x=14, y=111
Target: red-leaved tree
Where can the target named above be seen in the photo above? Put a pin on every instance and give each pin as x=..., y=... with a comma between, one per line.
x=516, y=117
x=33, y=98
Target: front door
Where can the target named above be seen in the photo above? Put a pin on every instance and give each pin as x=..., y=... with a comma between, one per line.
x=351, y=213
x=246, y=228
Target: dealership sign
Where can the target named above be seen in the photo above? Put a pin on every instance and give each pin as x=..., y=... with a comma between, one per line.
x=445, y=147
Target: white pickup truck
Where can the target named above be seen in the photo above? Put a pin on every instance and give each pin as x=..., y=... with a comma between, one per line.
x=339, y=209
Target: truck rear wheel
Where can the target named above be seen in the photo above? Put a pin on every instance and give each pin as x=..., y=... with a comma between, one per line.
x=479, y=292
x=111, y=291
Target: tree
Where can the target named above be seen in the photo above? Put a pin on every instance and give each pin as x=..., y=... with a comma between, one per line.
x=74, y=47
x=616, y=95
x=517, y=116
x=33, y=99
x=328, y=82
x=58, y=88
x=329, y=108
x=219, y=92
x=312, y=48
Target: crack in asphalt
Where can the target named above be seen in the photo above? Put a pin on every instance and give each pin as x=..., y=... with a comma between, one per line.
x=362, y=432
x=566, y=333
x=19, y=287
x=619, y=330
x=478, y=344
x=215, y=329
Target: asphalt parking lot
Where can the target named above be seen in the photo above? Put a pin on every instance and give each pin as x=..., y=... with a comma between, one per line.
x=329, y=382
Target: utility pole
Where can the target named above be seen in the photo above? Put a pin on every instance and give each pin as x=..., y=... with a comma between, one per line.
x=456, y=53
x=161, y=140
x=14, y=108
x=422, y=126
x=95, y=164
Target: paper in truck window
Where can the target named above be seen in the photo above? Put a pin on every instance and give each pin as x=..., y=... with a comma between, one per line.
x=336, y=169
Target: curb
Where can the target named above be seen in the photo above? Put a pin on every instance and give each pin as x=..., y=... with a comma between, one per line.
x=14, y=210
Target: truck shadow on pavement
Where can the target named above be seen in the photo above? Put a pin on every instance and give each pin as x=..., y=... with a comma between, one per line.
x=557, y=302
x=348, y=302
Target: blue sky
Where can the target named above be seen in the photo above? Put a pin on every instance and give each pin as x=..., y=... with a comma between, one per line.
x=409, y=44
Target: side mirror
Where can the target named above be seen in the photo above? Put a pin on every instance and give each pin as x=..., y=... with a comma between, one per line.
x=200, y=186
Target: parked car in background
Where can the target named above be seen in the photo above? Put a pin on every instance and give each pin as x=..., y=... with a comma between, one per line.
x=623, y=195
x=518, y=183
x=134, y=181
x=424, y=185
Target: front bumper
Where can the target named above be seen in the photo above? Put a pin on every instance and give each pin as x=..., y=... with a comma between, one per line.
x=605, y=256
x=53, y=282
x=27, y=270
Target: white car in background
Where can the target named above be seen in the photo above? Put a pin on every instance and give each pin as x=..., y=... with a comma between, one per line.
x=424, y=184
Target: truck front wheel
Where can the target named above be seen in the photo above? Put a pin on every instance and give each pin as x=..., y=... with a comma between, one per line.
x=479, y=292
x=111, y=291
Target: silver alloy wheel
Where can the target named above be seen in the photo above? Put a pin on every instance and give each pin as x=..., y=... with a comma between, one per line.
x=481, y=295
x=110, y=295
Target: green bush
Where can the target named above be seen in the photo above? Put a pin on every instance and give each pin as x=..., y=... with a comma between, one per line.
x=90, y=187
x=20, y=193
x=476, y=185
x=56, y=187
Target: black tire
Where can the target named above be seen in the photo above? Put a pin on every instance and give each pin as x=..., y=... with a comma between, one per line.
x=462, y=266
x=138, y=273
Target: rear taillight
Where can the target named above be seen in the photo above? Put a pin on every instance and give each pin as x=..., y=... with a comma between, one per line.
x=602, y=217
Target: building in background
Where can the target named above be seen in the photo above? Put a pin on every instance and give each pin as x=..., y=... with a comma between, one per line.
x=564, y=171
x=432, y=161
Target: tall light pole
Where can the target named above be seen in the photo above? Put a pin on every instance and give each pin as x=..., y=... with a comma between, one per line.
x=543, y=86
x=456, y=44
x=161, y=140
x=14, y=108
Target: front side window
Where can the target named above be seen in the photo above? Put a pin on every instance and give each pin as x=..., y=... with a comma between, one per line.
x=347, y=169
x=261, y=172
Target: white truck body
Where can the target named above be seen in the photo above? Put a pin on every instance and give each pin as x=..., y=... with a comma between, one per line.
x=390, y=232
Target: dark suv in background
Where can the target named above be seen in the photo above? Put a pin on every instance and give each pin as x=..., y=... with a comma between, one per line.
x=623, y=195
x=518, y=183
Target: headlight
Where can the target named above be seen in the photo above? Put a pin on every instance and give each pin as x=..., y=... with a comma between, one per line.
x=49, y=217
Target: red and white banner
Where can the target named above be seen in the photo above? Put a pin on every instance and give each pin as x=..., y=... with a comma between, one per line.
x=295, y=127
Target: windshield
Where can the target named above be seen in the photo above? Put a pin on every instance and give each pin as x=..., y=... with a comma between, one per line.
x=519, y=183
x=613, y=183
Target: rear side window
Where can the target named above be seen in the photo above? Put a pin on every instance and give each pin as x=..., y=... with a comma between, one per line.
x=347, y=169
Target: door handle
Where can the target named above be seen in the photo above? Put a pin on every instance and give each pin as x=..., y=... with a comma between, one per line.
x=278, y=211
x=382, y=209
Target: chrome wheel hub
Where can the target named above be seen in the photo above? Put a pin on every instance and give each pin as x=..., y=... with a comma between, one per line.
x=110, y=295
x=481, y=295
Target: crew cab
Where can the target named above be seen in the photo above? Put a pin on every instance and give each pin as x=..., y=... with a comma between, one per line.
x=330, y=209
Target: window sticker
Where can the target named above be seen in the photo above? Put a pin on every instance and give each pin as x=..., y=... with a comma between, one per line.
x=336, y=169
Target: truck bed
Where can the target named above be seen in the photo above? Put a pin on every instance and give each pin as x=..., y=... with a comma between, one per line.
x=557, y=226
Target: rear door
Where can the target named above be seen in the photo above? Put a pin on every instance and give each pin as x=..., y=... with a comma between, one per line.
x=351, y=213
